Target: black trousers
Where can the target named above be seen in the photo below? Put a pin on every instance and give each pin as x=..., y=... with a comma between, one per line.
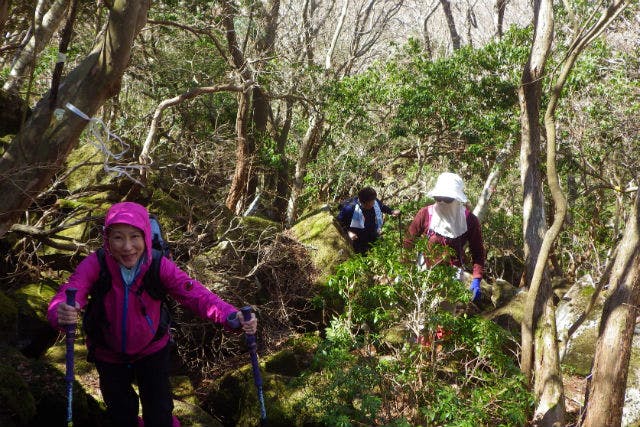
x=151, y=373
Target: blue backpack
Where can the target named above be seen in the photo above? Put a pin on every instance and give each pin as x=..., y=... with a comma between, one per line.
x=158, y=241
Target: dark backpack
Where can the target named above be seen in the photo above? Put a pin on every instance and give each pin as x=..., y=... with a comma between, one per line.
x=94, y=320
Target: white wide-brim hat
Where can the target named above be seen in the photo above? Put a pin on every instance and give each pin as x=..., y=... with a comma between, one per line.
x=449, y=185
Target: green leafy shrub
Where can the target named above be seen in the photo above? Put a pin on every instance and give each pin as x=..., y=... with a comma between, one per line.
x=444, y=366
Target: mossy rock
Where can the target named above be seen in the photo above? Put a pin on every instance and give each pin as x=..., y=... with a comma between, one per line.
x=193, y=416
x=185, y=405
x=509, y=316
x=35, y=334
x=327, y=246
x=183, y=389
x=47, y=387
x=17, y=405
x=296, y=357
x=84, y=371
x=234, y=396
x=256, y=228
x=8, y=318
x=89, y=174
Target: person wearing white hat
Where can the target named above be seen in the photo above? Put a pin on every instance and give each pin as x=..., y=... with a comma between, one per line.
x=449, y=222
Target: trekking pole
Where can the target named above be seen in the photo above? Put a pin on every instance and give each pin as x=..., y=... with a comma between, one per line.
x=70, y=339
x=257, y=378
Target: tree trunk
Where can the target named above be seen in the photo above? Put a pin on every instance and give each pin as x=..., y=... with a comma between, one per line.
x=236, y=198
x=500, y=7
x=279, y=181
x=5, y=5
x=455, y=37
x=254, y=108
x=39, y=149
x=534, y=221
x=548, y=387
x=45, y=26
x=311, y=138
x=492, y=180
x=613, y=349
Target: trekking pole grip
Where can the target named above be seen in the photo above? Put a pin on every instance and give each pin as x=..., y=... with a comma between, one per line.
x=71, y=300
x=246, y=315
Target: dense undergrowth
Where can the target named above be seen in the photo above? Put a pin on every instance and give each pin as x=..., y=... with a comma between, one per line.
x=409, y=349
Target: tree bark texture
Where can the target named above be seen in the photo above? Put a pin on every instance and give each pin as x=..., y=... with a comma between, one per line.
x=500, y=7
x=46, y=25
x=255, y=110
x=311, y=138
x=548, y=387
x=534, y=218
x=5, y=6
x=613, y=349
x=455, y=37
x=244, y=156
x=39, y=149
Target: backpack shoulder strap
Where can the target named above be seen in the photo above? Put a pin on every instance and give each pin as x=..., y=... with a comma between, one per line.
x=103, y=284
x=151, y=282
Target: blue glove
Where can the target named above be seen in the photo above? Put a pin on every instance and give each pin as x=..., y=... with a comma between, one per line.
x=476, y=292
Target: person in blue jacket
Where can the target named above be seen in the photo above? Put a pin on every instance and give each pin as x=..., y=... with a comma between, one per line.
x=362, y=218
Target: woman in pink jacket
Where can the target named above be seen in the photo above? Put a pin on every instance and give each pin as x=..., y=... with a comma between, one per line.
x=131, y=348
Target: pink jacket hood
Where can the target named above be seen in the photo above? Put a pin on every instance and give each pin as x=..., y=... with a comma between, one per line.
x=133, y=214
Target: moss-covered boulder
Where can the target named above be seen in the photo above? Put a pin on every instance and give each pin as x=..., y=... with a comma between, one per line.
x=326, y=244
x=256, y=228
x=234, y=398
x=17, y=405
x=86, y=168
x=35, y=334
x=41, y=394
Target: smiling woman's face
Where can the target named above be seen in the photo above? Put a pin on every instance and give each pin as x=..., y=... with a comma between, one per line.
x=126, y=243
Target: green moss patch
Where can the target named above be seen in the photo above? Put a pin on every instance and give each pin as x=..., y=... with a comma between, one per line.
x=326, y=244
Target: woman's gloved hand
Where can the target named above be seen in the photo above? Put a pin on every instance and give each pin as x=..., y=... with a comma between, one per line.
x=476, y=292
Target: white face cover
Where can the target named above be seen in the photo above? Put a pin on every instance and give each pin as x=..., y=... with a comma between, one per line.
x=449, y=219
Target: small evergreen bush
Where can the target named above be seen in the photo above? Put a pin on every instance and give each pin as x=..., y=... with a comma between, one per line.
x=405, y=352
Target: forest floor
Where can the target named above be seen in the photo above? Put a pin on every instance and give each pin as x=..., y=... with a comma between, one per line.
x=574, y=390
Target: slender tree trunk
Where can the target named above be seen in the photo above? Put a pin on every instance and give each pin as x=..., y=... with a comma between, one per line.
x=500, y=7
x=455, y=37
x=5, y=6
x=280, y=180
x=312, y=136
x=254, y=108
x=492, y=180
x=244, y=156
x=607, y=388
x=43, y=143
x=45, y=26
x=548, y=388
x=534, y=221
x=336, y=35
